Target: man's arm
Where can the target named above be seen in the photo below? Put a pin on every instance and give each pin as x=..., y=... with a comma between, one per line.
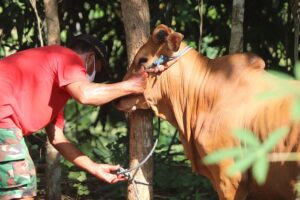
x=71, y=153
x=98, y=94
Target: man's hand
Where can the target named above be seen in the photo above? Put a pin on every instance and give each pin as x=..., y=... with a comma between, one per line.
x=137, y=81
x=73, y=154
x=106, y=173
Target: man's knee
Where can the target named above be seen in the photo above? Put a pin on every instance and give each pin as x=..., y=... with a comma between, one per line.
x=17, y=171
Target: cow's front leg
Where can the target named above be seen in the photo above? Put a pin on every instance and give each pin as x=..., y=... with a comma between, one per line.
x=228, y=188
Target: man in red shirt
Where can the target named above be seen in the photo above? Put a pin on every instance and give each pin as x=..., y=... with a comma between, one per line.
x=35, y=84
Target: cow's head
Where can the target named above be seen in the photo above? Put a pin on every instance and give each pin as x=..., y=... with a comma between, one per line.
x=163, y=41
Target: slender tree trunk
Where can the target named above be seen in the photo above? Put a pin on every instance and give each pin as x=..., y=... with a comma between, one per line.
x=38, y=21
x=296, y=17
x=200, y=10
x=236, y=39
x=53, y=170
x=136, y=21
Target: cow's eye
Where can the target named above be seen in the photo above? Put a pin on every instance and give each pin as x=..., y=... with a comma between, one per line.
x=142, y=61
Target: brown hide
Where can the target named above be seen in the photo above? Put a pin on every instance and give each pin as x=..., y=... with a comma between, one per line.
x=206, y=99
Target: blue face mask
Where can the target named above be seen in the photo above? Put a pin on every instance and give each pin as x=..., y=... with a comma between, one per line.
x=92, y=76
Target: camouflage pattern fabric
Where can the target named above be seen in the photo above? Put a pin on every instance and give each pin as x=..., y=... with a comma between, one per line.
x=17, y=171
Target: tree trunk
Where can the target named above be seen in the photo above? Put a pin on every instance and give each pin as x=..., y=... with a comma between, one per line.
x=52, y=20
x=141, y=142
x=136, y=21
x=200, y=10
x=236, y=39
x=296, y=17
x=53, y=170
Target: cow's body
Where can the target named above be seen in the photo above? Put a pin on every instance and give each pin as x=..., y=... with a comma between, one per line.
x=206, y=99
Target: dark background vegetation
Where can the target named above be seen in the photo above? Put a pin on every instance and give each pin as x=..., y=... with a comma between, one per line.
x=101, y=132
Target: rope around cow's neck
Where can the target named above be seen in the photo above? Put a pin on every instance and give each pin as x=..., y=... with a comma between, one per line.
x=164, y=59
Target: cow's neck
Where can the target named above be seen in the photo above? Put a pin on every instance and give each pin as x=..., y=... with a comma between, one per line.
x=172, y=94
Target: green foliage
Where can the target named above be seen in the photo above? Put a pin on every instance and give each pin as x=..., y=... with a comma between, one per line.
x=297, y=70
x=79, y=176
x=81, y=189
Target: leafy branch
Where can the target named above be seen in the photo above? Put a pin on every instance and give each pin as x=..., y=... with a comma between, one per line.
x=251, y=153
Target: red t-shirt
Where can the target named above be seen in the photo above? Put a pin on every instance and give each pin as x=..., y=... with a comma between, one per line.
x=32, y=81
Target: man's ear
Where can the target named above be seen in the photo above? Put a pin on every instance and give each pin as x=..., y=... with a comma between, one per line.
x=174, y=41
x=88, y=55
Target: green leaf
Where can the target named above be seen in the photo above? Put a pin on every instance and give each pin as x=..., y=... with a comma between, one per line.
x=297, y=70
x=260, y=169
x=280, y=74
x=297, y=188
x=80, y=176
x=67, y=163
x=220, y=155
x=74, y=175
x=272, y=94
x=241, y=165
x=247, y=137
x=273, y=139
x=296, y=110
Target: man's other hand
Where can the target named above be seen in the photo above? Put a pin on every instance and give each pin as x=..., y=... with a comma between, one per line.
x=107, y=173
x=137, y=81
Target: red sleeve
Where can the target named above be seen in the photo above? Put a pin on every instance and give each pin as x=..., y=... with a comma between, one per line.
x=70, y=68
x=60, y=120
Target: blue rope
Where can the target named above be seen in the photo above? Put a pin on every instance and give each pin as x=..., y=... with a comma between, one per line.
x=163, y=59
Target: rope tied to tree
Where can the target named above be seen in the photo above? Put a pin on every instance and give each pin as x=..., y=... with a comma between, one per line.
x=126, y=172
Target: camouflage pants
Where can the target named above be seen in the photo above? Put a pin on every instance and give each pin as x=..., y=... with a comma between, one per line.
x=17, y=171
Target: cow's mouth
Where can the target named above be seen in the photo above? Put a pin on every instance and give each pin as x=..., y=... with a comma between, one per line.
x=122, y=104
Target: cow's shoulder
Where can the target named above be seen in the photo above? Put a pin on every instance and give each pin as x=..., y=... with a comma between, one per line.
x=244, y=60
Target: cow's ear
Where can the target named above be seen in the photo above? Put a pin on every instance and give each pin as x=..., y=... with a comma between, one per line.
x=160, y=33
x=174, y=41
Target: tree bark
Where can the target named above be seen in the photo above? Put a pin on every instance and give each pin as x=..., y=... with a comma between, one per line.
x=136, y=21
x=200, y=10
x=52, y=20
x=141, y=143
x=296, y=17
x=236, y=39
x=53, y=170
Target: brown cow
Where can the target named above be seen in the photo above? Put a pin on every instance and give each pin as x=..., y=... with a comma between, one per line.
x=206, y=98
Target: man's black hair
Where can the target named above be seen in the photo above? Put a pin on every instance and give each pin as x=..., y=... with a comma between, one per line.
x=81, y=46
x=85, y=43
